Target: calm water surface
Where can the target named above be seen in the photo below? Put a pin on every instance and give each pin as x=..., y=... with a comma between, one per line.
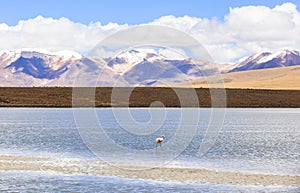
x=250, y=140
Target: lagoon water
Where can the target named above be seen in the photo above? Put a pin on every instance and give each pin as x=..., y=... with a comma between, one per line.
x=258, y=141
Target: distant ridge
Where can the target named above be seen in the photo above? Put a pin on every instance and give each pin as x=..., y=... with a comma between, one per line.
x=36, y=67
x=268, y=60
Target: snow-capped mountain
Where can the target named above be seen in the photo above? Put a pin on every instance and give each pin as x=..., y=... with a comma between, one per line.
x=43, y=68
x=33, y=67
x=126, y=60
x=37, y=63
x=147, y=69
x=268, y=60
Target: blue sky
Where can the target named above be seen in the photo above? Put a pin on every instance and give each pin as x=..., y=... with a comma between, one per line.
x=121, y=11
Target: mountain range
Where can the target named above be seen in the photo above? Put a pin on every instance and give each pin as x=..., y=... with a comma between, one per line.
x=33, y=67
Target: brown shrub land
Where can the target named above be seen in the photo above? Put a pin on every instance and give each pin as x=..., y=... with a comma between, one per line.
x=144, y=97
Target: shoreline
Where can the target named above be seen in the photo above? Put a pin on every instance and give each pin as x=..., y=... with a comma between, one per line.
x=140, y=97
x=71, y=166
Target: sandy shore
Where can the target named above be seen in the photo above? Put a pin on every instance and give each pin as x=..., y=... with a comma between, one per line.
x=94, y=167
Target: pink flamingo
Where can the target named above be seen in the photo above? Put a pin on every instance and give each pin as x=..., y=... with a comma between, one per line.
x=159, y=140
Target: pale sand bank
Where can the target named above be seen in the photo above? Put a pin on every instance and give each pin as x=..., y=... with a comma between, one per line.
x=283, y=78
x=94, y=167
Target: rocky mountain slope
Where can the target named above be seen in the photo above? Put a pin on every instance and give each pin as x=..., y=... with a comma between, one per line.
x=33, y=67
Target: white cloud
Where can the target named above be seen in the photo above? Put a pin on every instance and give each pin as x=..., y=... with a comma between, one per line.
x=55, y=34
x=244, y=31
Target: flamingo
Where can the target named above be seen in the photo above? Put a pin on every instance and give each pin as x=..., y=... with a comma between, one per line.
x=159, y=140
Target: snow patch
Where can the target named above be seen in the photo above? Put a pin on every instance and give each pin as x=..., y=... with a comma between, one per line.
x=278, y=54
x=68, y=54
x=65, y=54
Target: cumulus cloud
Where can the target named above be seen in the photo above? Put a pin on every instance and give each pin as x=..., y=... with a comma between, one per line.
x=55, y=34
x=243, y=31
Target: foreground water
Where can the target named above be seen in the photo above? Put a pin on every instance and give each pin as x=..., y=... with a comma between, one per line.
x=36, y=182
x=257, y=141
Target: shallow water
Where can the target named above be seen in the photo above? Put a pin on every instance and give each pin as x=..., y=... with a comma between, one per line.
x=41, y=182
x=251, y=140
